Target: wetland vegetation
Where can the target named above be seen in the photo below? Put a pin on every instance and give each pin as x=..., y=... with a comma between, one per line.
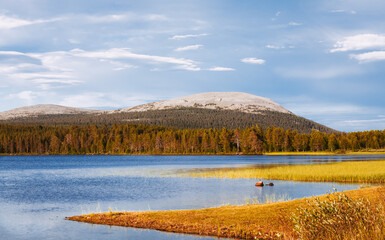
x=352, y=172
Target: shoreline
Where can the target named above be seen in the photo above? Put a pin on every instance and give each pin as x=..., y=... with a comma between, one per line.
x=255, y=221
x=207, y=154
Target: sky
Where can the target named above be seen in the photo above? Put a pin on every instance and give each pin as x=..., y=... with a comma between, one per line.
x=323, y=60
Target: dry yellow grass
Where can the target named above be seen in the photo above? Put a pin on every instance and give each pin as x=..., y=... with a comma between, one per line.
x=324, y=153
x=260, y=221
x=300, y=153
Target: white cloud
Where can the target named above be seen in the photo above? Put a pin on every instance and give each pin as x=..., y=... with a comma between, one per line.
x=123, y=53
x=10, y=22
x=155, y=17
x=343, y=11
x=187, y=48
x=361, y=124
x=188, y=68
x=128, y=16
x=59, y=69
x=178, y=37
x=108, y=18
x=25, y=95
x=274, y=46
x=106, y=99
x=32, y=70
x=73, y=41
x=119, y=65
x=221, y=69
x=360, y=42
x=366, y=120
x=14, y=53
x=253, y=60
x=41, y=75
x=294, y=24
x=69, y=81
x=317, y=109
x=276, y=15
x=86, y=100
x=12, y=68
x=369, y=56
x=337, y=11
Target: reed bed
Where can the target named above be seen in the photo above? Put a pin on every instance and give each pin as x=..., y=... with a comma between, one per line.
x=349, y=172
x=327, y=153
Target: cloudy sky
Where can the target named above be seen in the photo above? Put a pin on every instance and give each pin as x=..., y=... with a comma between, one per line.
x=324, y=60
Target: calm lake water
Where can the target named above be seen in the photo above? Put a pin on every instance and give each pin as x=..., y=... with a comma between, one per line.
x=38, y=192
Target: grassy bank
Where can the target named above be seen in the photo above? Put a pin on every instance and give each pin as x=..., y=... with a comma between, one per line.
x=352, y=172
x=327, y=153
x=260, y=221
x=300, y=153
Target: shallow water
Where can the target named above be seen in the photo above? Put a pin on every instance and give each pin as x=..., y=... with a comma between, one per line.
x=38, y=192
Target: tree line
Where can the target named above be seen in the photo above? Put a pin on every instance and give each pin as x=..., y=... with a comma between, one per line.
x=152, y=139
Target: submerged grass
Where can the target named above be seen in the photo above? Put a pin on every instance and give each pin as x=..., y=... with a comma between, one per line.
x=352, y=172
x=268, y=198
x=253, y=221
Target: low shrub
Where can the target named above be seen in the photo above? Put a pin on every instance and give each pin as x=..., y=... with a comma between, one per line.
x=340, y=217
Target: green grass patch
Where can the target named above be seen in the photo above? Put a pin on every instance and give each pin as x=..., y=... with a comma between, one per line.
x=350, y=172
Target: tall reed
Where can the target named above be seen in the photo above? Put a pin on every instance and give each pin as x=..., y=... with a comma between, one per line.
x=361, y=172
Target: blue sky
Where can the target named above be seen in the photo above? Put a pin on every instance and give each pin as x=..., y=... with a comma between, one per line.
x=323, y=60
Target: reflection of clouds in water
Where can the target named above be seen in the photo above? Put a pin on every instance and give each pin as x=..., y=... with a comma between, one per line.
x=84, y=173
x=31, y=218
x=22, y=222
x=44, y=209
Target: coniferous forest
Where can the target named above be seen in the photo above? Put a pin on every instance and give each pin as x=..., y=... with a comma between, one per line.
x=154, y=139
x=181, y=118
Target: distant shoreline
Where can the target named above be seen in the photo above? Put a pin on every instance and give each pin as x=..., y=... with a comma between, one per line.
x=206, y=154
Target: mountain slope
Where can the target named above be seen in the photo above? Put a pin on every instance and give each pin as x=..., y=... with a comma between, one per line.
x=43, y=109
x=206, y=110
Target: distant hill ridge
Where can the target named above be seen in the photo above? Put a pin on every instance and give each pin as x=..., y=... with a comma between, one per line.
x=204, y=110
x=43, y=109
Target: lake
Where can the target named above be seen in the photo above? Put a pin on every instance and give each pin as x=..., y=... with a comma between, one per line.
x=38, y=192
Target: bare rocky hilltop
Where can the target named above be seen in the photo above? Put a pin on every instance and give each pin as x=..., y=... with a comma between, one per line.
x=43, y=109
x=239, y=101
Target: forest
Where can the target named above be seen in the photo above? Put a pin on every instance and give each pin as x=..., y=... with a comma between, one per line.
x=155, y=139
x=181, y=118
